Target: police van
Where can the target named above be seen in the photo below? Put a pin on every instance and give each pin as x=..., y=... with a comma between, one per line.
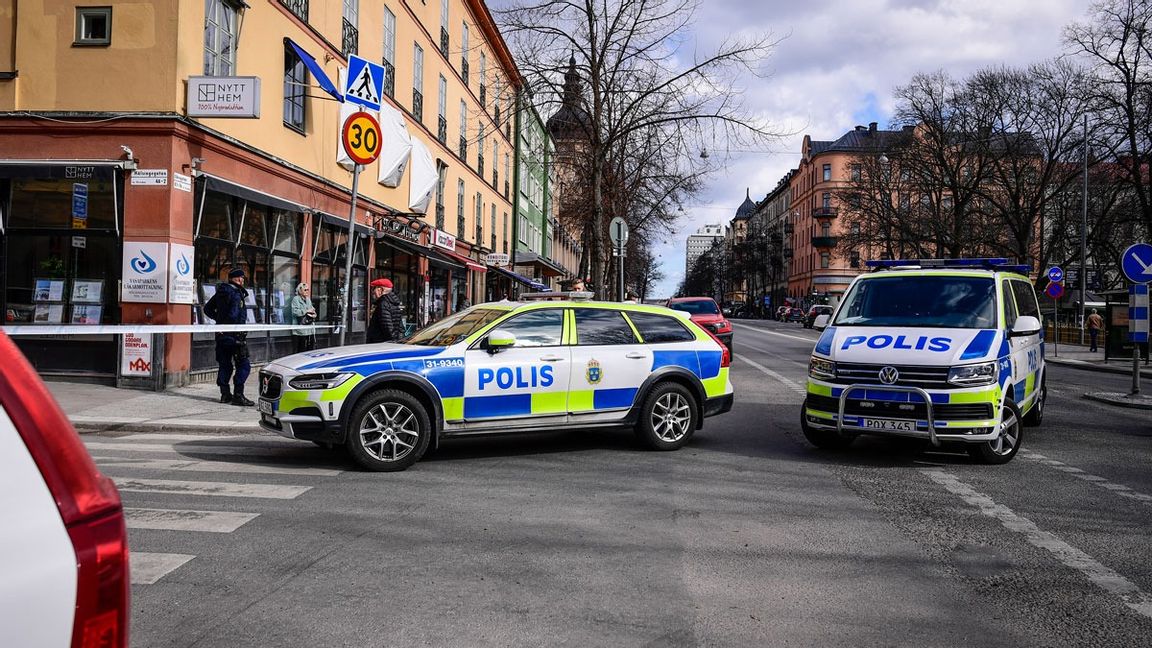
x=948, y=350
x=504, y=367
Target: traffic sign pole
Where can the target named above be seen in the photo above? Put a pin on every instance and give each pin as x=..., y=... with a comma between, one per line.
x=361, y=138
x=349, y=252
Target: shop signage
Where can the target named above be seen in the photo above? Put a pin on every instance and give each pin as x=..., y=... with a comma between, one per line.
x=150, y=177
x=79, y=205
x=224, y=97
x=182, y=182
x=181, y=275
x=145, y=272
x=136, y=355
x=79, y=242
x=496, y=259
x=398, y=229
x=443, y=239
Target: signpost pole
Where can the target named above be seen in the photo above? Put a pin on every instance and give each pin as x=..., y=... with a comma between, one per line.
x=349, y=251
x=620, y=272
x=1055, y=331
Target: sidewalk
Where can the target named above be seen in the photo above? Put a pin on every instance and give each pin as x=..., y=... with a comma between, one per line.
x=1072, y=355
x=196, y=408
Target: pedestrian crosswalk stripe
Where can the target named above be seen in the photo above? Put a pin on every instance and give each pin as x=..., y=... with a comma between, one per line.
x=1118, y=489
x=185, y=520
x=219, y=489
x=245, y=450
x=147, y=568
x=192, y=465
x=172, y=437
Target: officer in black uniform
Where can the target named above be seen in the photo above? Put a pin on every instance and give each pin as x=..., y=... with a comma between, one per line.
x=232, y=347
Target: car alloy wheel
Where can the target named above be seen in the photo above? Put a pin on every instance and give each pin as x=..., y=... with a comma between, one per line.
x=671, y=417
x=389, y=432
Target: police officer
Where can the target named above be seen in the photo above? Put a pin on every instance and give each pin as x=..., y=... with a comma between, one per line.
x=232, y=347
x=386, y=324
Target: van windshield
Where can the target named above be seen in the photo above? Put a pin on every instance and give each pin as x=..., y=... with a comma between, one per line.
x=927, y=301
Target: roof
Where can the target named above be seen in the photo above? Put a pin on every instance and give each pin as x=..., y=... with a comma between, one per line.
x=746, y=209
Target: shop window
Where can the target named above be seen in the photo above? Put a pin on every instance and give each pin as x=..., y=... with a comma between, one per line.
x=252, y=230
x=286, y=231
x=48, y=203
x=93, y=26
x=50, y=280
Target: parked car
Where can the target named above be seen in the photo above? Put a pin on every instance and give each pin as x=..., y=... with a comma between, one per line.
x=705, y=312
x=64, y=555
x=816, y=311
x=794, y=315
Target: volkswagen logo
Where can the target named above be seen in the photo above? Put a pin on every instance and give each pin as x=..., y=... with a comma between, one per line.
x=889, y=375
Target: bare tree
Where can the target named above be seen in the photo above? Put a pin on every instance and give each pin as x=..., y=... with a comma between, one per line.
x=641, y=84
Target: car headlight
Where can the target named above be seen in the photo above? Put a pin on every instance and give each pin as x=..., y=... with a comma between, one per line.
x=821, y=368
x=973, y=375
x=319, y=381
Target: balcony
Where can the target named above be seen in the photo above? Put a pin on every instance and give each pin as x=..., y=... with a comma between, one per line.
x=464, y=68
x=483, y=94
x=788, y=227
x=480, y=165
x=825, y=212
x=506, y=188
x=389, y=78
x=495, y=177
x=444, y=42
x=463, y=148
x=442, y=129
x=825, y=241
x=349, y=39
x=418, y=105
x=439, y=215
x=299, y=8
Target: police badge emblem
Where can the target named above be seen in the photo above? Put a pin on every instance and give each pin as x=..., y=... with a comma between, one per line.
x=594, y=374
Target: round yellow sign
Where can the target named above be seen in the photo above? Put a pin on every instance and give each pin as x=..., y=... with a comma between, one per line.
x=361, y=136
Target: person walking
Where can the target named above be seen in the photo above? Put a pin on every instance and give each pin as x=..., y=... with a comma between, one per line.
x=301, y=311
x=386, y=323
x=1095, y=325
x=227, y=307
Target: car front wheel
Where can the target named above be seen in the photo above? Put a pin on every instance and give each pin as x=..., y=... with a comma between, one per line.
x=1007, y=442
x=668, y=418
x=388, y=431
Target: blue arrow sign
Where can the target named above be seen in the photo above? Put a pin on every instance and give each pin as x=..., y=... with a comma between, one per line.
x=1055, y=273
x=365, y=82
x=1136, y=262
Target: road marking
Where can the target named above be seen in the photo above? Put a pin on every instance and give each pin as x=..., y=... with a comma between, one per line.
x=103, y=421
x=745, y=344
x=213, y=466
x=1070, y=556
x=174, y=437
x=185, y=520
x=1119, y=489
x=244, y=450
x=802, y=390
x=147, y=568
x=762, y=331
x=221, y=489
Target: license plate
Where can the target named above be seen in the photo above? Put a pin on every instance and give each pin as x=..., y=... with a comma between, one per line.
x=885, y=424
x=266, y=407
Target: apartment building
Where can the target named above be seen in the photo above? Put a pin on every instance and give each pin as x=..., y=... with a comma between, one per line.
x=203, y=135
x=701, y=242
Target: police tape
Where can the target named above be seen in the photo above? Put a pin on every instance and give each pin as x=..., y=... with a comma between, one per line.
x=154, y=329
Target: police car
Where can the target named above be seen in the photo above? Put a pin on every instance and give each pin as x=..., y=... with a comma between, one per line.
x=504, y=367
x=948, y=350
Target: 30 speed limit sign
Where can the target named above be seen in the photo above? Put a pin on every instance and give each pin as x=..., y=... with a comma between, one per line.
x=361, y=136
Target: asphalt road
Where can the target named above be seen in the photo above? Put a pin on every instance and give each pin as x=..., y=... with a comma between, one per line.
x=746, y=537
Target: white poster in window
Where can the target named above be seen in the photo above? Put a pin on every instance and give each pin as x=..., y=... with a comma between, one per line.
x=145, y=272
x=87, y=291
x=181, y=275
x=136, y=355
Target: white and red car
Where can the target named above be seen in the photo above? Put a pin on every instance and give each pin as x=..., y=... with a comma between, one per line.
x=64, y=549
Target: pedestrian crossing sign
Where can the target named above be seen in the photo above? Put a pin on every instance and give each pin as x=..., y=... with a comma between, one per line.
x=364, y=83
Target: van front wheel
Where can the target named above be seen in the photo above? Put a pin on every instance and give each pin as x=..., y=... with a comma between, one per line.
x=1007, y=443
x=824, y=439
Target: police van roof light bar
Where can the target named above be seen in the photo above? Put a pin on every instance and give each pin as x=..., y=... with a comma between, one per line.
x=995, y=263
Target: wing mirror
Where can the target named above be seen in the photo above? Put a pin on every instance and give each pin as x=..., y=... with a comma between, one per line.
x=1025, y=325
x=821, y=321
x=499, y=340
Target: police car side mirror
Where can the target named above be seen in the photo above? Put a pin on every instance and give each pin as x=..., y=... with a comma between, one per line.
x=821, y=321
x=1025, y=325
x=499, y=340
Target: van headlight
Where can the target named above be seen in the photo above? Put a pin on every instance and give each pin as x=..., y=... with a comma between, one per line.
x=973, y=375
x=821, y=368
x=319, y=381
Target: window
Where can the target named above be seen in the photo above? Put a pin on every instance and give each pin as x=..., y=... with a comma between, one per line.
x=389, y=61
x=418, y=82
x=855, y=172
x=826, y=202
x=536, y=328
x=495, y=157
x=657, y=329
x=827, y=172
x=523, y=229
x=1010, y=310
x=602, y=327
x=295, y=84
x=464, y=54
x=460, y=207
x=1025, y=299
x=479, y=217
x=483, y=80
x=350, y=31
x=94, y=26
x=442, y=108
x=464, y=131
x=492, y=230
x=505, y=233
x=507, y=167
x=480, y=152
x=444, y=28
x=219, y=38
x=299, y=8
x=825, y=260
x=441, y=180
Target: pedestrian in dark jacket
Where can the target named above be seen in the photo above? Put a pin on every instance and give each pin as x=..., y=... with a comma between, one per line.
x=386, y=324
x=232, y=346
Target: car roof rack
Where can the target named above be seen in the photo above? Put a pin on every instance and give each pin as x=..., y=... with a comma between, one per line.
x=572, y=295
x=995, y=263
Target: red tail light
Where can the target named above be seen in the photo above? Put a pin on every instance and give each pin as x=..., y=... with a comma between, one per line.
x=88, y=501
x=725, y=354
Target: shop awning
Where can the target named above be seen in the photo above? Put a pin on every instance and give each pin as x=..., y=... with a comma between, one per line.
x=408, y=247
x=471, y=264
x=61, y=169
x=223, y=186
x=441, y=258
x=342, y=223
x=546, y=265
x=534, y=285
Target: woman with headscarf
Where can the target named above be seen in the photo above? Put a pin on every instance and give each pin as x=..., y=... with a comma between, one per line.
x=301, y=311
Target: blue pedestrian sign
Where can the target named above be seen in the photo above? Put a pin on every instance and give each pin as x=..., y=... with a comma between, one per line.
x=1136, y=262
x=365, y=82
x=1055, y=273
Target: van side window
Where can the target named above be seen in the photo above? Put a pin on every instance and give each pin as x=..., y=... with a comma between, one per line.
x=1025, y=298
x=656, y=329
x=1010, y=310
x=595, y=327
x=535, y=328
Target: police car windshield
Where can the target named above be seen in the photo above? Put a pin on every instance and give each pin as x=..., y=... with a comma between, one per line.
x=915, y=301
x=451, y=330
x=696, y=307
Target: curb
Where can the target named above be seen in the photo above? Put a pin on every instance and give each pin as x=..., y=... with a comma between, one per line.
x=1090, y=366
x=89, y=424
x=1121, y=400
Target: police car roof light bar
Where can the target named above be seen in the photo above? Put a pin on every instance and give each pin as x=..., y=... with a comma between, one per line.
x=995, y=263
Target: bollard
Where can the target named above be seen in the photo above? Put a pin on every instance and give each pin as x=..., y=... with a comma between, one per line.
x=1135, y=369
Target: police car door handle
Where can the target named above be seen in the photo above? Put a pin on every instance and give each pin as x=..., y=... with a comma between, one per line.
x=636, y=355
x=551, y=358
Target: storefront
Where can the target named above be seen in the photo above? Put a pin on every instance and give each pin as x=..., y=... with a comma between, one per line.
x=399, y=261
x=60, y=251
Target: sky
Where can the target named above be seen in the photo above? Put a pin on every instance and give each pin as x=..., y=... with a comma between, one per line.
x=837, y=65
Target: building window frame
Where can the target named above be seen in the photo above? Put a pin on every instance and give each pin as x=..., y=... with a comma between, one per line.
x=827, y=172
x=418, y=82
x=464, y=53
x=295, y=91
x=93, y=27
x=388, y=57
x=220, y=19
